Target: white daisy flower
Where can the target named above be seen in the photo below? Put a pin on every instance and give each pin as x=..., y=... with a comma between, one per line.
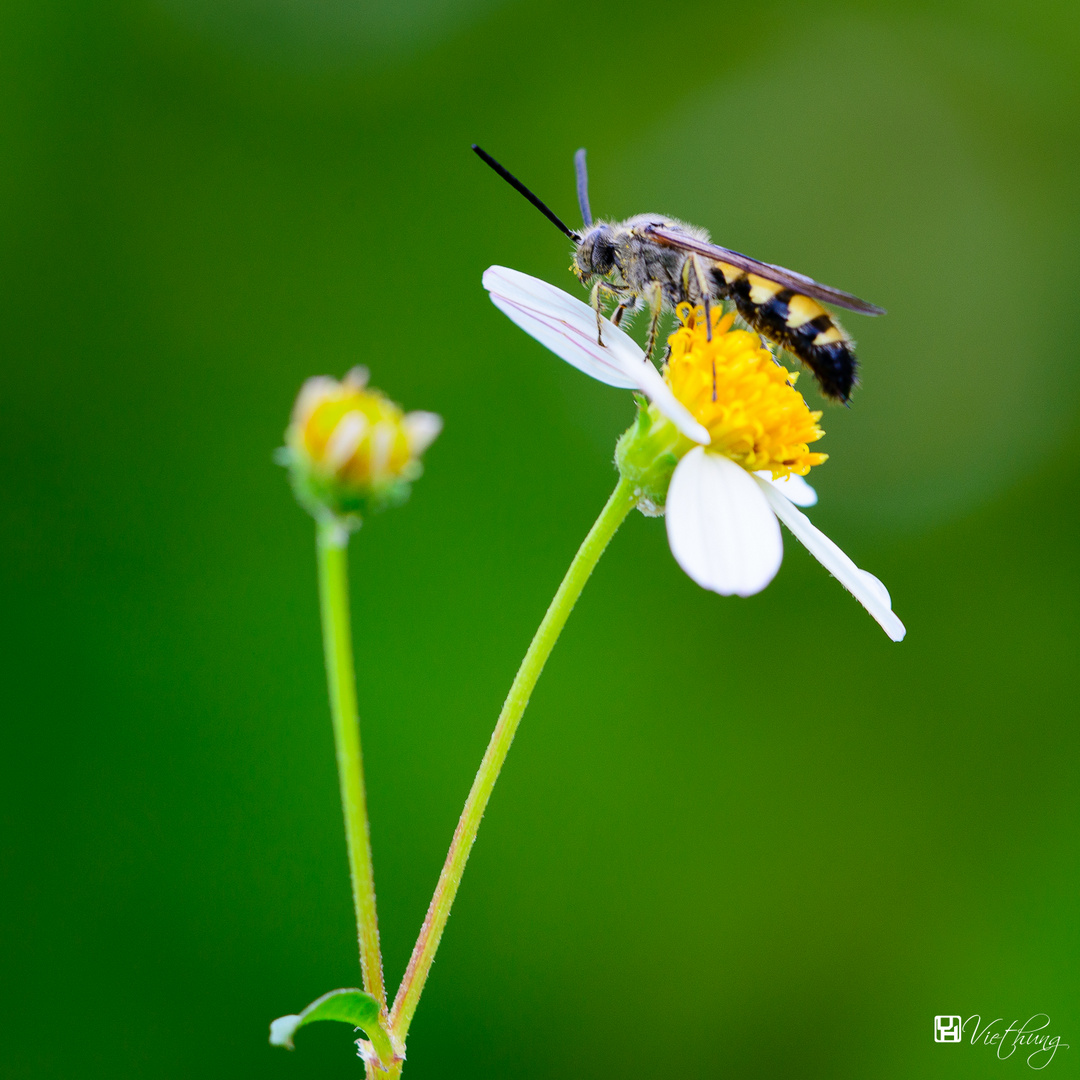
x=722, y=450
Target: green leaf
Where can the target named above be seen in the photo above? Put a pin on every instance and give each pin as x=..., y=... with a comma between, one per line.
x=349, y=1006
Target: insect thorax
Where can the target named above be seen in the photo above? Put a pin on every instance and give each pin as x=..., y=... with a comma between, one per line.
x=623, y=253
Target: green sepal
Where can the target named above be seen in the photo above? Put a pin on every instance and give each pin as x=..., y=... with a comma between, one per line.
x=350, y=1006
x=322, y=495
x=647, y=454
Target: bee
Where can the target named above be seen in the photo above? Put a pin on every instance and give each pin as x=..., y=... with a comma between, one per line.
x=658, y=262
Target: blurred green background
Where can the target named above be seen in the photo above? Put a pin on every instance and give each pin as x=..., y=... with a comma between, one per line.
x=735, y=838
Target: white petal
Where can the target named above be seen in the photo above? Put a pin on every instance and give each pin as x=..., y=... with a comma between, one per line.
x=311, y=393
x=721, y=531
x=421, y=430
x=862, y=585
x=345, y=439
x=794, y=487
x=356, y=378
x=878, y=586
x=382, y=442
x=567, y=326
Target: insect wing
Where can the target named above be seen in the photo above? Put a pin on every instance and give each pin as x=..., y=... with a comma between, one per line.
x=788, y=278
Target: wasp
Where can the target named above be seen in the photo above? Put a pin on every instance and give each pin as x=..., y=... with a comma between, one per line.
x=659, y=262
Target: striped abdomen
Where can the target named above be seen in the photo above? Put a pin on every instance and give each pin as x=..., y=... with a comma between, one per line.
x=796, y=322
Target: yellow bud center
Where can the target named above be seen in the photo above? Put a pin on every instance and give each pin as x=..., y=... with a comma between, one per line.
x=746, y=400
x=351, y=433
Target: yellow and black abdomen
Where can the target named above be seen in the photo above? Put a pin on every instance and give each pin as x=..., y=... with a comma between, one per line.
x=796, y=322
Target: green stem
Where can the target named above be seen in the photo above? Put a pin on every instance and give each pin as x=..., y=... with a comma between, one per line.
x=332, y=544
x=622, y=501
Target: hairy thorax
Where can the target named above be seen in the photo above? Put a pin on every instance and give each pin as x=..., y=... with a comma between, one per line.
x=623, y=253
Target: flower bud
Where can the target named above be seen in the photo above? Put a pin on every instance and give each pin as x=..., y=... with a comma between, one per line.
x=351, y=451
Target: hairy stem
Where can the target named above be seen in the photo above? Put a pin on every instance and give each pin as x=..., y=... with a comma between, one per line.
x=620, y=504
x=332, y=544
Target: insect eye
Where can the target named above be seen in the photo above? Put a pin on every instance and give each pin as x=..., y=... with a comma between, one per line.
x=603, y=254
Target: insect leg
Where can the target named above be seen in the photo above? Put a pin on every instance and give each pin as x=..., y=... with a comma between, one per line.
x=595, y=303
x=654, y=297
x=620, y=311
x=706, y=298
x=708, y=334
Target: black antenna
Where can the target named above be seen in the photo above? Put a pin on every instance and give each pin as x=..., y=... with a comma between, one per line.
x=514, y=182
x=582, y=186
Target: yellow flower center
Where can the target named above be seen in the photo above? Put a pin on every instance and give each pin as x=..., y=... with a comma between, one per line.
x=745, y=399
